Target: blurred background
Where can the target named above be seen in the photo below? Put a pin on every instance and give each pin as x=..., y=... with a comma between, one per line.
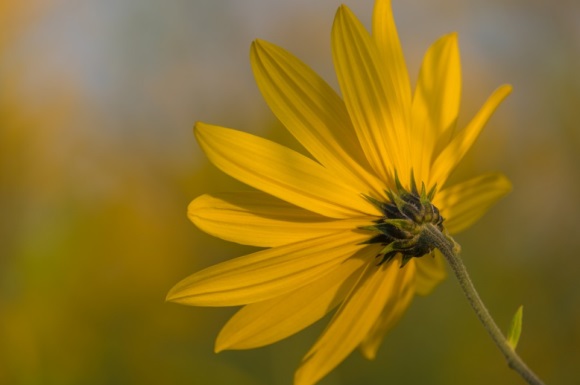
x=98, y=163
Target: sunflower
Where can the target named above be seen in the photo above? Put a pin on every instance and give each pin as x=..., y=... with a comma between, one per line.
x=343, y=228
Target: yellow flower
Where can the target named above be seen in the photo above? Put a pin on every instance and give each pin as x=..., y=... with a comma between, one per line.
x=327, y=222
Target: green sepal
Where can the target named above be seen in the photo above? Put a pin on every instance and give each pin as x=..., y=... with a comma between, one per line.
x=515, y=329
x=375, y=202
x=396, y=199
x=369, y=228
x=398, y=183
x=431, y=193
x=402, y=224
x=413, y=184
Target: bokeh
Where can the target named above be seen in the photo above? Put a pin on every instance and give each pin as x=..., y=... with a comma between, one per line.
x=98, y=163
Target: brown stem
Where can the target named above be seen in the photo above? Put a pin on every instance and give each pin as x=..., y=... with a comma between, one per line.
x=446, y=246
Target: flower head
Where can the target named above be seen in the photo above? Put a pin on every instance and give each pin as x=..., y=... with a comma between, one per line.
x=341, y=229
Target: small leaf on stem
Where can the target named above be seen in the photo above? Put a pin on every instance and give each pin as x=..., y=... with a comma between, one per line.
x=515, y=328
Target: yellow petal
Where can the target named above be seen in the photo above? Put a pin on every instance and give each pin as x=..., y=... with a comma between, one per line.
x=378, y=124
x=268, y=273
x=461, y=143
x=429, y=272
x=464, y=203
x=393, y=60
x=436, y=102
x=312, y=111
x=266, y=322
x=281, y=172
x=399, y=299
x=258, y=219
x=351, y=323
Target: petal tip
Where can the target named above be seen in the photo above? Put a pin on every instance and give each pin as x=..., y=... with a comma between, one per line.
x=259, y=42
x=199, y=127
x=453, y=38
x=219, y=346
x=195, y=205
x=507, y=184
x=177, y=294
x=343, y=11
x=506, y=89
x=256, y=45
x=171, y=295
x=449, y=40
x=369, y=354
x=229, y=340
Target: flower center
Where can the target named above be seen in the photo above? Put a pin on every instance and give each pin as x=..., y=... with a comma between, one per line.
x=401, y=228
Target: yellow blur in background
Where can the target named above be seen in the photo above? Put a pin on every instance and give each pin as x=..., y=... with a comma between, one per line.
x=98, y=163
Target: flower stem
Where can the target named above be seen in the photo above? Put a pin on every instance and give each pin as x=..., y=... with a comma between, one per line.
x=447, y=248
